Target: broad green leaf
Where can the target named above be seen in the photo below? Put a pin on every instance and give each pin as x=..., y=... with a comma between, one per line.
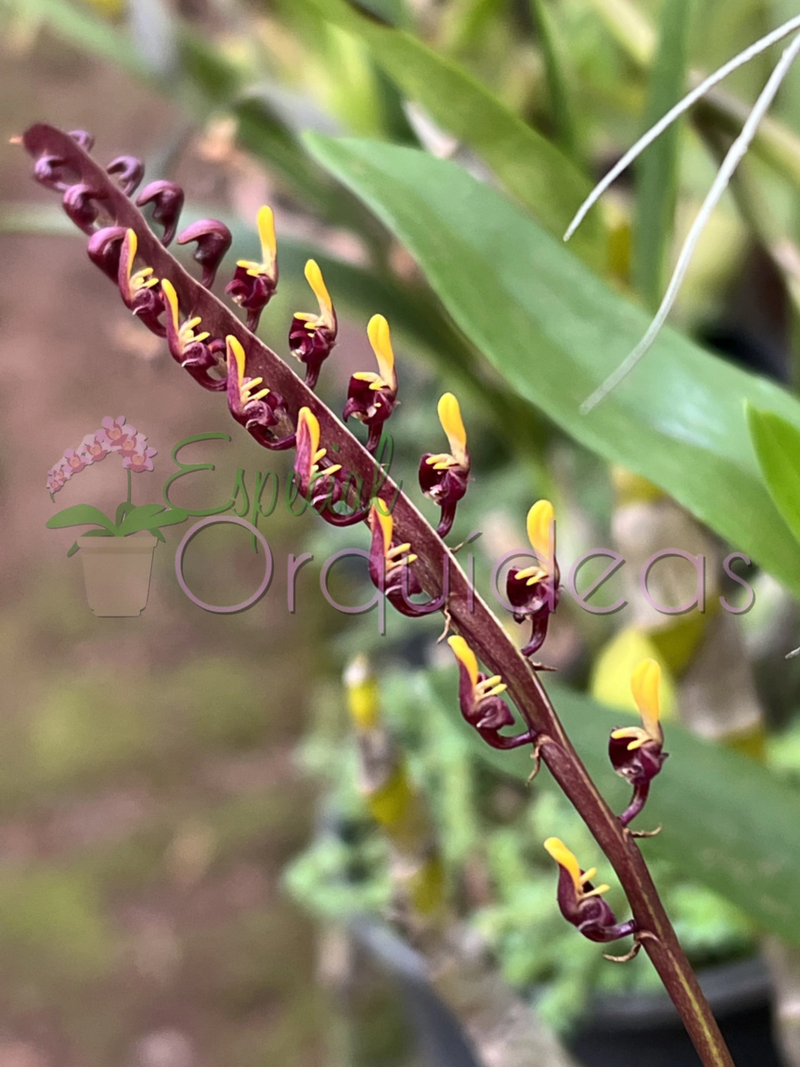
x=555, y=331
x=657, y=170
x=777, y=445
x=78, y=515
x=728, y=822
x=533, y=170
x=151, y=517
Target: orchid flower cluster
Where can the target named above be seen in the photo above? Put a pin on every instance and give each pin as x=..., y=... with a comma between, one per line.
x=407, y=556
x=113, y=436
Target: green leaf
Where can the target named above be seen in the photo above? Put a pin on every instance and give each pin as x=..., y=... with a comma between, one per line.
x=79, y=515
x=555, y=331
x=151, y=517
x=533, y=170
x=728, y=822
x=560, y=102
x=657, y=171
x=79, y=27
x=777, y=446
x=122, y=511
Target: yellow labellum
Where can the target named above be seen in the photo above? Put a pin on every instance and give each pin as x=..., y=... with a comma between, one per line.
x=540, y=522
x=168, y=289
x=465, y=656
x=306, y=418
x=236, y=352
x=133, y=244
x=453, y=426
x=317, y=283
x=266, y=235
x=564, y=858
x=381, y=341
x=386, y=523
x=646, y=689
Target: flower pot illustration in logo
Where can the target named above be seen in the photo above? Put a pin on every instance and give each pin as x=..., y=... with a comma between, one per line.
x=117, y=572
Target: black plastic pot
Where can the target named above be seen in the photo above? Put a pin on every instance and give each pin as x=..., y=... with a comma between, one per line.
x=645, y=1031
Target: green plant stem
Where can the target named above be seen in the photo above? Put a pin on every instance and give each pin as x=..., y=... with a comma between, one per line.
x=130, y=487
x=466, y=612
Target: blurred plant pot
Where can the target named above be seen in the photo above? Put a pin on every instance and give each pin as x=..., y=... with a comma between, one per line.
x=637, y=1029
x=117, y=572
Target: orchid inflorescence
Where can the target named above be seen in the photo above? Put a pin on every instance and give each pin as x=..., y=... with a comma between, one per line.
x=407, y=556
x=113, y=436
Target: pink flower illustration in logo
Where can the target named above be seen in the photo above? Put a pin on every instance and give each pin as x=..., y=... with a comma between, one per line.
x=94, y=447
x=141, y=459
x=113, y=436
x=73, y=461
x=117, y=573
x=57, y=477
x=129, y=446
x=115, y=432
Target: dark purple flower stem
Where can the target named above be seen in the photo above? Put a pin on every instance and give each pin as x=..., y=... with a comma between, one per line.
x=467, y=613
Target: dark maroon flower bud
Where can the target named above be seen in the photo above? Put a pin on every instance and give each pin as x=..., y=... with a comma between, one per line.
x=533, y=592
x=479, y=697
x=49, y=171
x=139, y=289
x=83, y=139
x=258, y=409
x=371, y=397
x=444, y=476
x=254, y=284
x=105, y=247
x=80, y=203
x=213, y=241
x=636, y=751
x=167, y=200
x=390, y=568
x=130, y=172
x=580, y=903
x=312, y=337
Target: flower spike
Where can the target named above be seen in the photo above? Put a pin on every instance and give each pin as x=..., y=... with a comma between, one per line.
x=312, y=337
x=636, y=751
x=371, y=397
x=479, y=697
x=533, y=592
x=254, y=406
x=580, y=903
x=254, y=284
x=443, y=476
